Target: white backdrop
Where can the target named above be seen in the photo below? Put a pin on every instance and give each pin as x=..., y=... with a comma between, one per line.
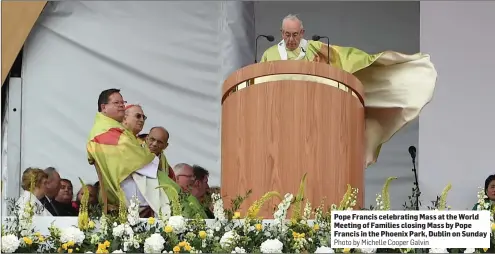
x=166, y=56
x=171, y=57
x=456, y=130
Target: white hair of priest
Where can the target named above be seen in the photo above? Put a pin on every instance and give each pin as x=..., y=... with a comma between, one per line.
x=292, y=17
x=179, y=167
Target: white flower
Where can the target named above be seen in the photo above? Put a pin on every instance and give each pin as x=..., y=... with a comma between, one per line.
x=437, y=250
x=103, y=225
x=307, y=211
x=238, y=250
x=133, y=211
x=367, y=250
x=228, y=239
x=324, y=249
x=122, y=230
x=178, y=223
x=281, y=212
x=218, y=210
x=272, y=246
x=95, y=239
x=72, y=234
x=118, y=231
x=154, y=244
x=118, y=251
x=471, y=250
x=10, y=243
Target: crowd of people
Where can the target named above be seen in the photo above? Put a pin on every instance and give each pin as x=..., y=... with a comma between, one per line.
x=54, y=196
x=121, y=125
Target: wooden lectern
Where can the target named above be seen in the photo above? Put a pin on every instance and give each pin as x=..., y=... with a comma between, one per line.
x=296, y=117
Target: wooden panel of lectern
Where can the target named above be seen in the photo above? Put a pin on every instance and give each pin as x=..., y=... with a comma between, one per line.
x=283, y=119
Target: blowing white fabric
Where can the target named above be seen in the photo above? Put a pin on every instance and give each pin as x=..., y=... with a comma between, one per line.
x=166, y=56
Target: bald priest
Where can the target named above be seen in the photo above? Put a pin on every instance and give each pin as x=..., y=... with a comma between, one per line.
x=396, y=86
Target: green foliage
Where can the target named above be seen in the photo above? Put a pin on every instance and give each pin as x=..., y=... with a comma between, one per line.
x=236, y=204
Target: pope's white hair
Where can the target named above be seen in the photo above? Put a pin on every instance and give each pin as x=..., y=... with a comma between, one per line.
x=292, y=17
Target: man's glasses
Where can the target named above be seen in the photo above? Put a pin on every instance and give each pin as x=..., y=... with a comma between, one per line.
x=141, y=116
x=289, y=35
x=188, y=176
x=118, y=103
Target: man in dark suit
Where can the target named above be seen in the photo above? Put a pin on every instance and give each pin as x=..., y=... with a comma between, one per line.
x=52, y=187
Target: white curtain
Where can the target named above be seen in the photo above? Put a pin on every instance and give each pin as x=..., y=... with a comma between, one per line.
x=170, y=57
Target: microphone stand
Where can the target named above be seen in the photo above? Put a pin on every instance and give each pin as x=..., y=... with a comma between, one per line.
x=417, y=192
x=317, y=38
x=256, y=49
x=268, y=37
x=328, y=49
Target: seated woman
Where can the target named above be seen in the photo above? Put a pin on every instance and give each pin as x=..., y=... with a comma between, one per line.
x=38, y=177
x=93, y=197
x=489, y=192
x=64, y=199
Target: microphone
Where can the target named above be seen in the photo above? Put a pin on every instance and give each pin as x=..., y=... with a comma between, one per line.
x=317, y=38
x=412, y=152
x=268, y=37
x=417, y=192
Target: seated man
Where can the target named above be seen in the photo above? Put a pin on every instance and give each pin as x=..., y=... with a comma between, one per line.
x=125, y=167
x=186, y=179
x=200, y=188
x=52, y=187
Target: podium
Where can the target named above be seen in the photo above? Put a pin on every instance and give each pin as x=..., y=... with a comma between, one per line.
x=283, y=119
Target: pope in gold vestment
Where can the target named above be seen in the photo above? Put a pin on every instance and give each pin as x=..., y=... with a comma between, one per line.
x=397, y=86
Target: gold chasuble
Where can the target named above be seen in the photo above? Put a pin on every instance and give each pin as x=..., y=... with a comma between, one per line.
x=396, y=86
x=118, y=154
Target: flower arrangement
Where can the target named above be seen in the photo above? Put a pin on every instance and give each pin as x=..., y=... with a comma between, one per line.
x=306, y=231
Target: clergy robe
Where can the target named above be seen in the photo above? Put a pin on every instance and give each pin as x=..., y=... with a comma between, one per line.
x=163, y=159
x=119, y=155
x=396, y=86
x=166, y=177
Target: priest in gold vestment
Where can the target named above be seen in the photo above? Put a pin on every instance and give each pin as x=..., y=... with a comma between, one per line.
x=396, y=86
